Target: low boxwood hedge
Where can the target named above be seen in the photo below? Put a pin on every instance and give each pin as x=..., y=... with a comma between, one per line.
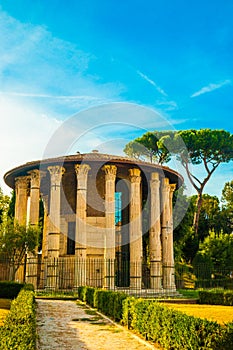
x=216, y=297
x=19, y=329
x=10, y=290
x=173, y=329
x=155, y=322
x=108, y=302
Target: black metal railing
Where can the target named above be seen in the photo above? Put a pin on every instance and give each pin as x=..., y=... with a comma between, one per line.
x=68, y=273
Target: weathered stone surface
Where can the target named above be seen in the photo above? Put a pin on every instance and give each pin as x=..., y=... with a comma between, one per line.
x=78, y=193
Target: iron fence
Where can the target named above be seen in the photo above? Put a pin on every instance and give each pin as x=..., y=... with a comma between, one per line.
x=68, y=273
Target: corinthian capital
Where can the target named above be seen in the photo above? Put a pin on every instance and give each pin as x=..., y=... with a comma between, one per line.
x=56, y=172
x=35, y=178
x=22, y=182
x=82, y=170
x=172, y=187
x=110, y=172
x=134, y=175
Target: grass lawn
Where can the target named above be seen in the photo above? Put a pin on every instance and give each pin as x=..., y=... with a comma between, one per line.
x=218, y=313
x=189, y=293
x=4, y=309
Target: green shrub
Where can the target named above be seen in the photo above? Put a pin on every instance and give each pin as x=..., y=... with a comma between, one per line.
x=216, y=297
x=19, y=329
x=155, y=322
x=172, y=329
x=91, y=296
x=108, y=302
x=10, y=290
x=82, y=293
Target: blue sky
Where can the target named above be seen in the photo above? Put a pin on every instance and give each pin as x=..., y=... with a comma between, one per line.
x=58, y=58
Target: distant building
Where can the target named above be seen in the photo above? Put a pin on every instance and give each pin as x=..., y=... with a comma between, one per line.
x=97, y=209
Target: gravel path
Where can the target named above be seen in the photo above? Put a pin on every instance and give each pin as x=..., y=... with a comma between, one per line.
x=68, y=325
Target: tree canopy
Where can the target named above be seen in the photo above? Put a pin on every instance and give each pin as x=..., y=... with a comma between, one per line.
x=219, y=250
x=147, y=147
x=205, y=147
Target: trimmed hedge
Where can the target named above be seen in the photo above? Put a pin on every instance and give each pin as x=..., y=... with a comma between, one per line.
x=19, y=329
x=10, y=290
x=216, y=297
x=108, y=302
x=173, y=329
x=155, y=322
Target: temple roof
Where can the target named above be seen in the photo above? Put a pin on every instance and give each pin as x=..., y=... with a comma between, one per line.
x=94, y=156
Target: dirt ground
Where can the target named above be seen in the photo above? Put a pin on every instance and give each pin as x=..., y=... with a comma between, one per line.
x=66, y=325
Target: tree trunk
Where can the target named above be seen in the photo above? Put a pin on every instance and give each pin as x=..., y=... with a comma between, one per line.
x=197, y=213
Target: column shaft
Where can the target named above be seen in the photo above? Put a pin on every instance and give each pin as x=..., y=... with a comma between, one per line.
x=167, y=236
x=135, y=229
x=32, y=259
x=46, y=229
x=34, y=197
x=21, y=187
x=155, y=247
x=56, y=173
x=110, y=178
x=81, y=234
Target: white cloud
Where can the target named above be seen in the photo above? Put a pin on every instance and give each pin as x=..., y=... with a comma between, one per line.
x=210, y=87
x=25, y=133
x=56, y=97
x=35, y=64
x=150, y=81
x=167, y=105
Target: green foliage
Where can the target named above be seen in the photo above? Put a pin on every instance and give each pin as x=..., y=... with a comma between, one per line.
x=10, y=290
x=227, y=200
x=205, y=147
x=91, y=296
x=216, y=297
x=108, y=302
x=227, y=195
x=82, y=291
x=210, y=215
x=149, y=147
x=19, y=329
x=158, y=323
x=189, y=293
x=219, y=249
x=173, y=329
x=11, y=208
x=185, y=245
x=4, y=204
x=15, y=241
x=188, y=247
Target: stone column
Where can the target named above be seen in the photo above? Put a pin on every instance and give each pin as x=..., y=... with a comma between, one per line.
x=167, y=236
x=81, y=213
x=155, y=247
x=110, y=178
x=21, y=191
x=46, y=229
x=56, y=173
x=171, y=262
x=34, y=197
x=135, y=229
x=32, y=259
x=21, y=205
